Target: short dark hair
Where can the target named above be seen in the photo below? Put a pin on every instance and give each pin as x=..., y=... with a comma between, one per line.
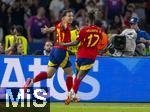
x=98, y=23
x=64, y=12
x=91, y=16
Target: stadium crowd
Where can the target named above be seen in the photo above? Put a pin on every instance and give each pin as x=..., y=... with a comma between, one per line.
x=21, y=22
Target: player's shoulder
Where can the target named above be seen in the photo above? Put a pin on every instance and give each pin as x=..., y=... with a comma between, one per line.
x=84, y=28
x=57, y=25
x=95, y=28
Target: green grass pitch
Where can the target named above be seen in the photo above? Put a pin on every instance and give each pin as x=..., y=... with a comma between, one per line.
x=100, y=107
x=84, y=107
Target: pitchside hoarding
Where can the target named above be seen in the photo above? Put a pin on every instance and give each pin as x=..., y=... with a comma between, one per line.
x=110, y=79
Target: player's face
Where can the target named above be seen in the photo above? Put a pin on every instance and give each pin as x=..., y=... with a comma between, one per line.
x=69, y=17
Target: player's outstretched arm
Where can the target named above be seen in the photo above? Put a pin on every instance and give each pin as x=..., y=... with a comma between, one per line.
x=74, y=43
x=47, y=29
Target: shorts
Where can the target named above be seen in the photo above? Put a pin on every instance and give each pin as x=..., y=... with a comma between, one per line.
x=59, y=58
x=84, y=64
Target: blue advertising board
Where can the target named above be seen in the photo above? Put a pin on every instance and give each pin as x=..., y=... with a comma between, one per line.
x=110, y=79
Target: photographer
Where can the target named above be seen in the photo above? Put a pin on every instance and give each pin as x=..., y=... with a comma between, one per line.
x=143, y=37
x=123, y=44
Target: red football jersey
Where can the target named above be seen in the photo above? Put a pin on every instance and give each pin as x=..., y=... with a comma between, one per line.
x=62, y=35
x=89, y=38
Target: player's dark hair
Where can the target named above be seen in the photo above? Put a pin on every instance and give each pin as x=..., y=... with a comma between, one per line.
x=91, y=16
x=98, y=23
x=65, y=12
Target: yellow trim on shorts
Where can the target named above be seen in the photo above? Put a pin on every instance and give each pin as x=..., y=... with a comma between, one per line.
x=65, y=61
x=51, y=64
x=86, y=67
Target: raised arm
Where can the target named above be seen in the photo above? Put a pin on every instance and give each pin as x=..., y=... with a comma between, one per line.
x=74, y=43
x=47, y=29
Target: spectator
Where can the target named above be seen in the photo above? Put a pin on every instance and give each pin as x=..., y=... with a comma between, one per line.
x=127, y=17
x=81, y=17
x=140, y=7
x=100, y=16
x=100, y=4
x=114, y=7
x=148, y=12
x=3, y=20
x=35, y=23
x=10, y=2
x=55, y=7
x=47, y=48
x=16, y=13
x=33, y=5
x=131, y=7
x=76, y=5
x=15, y=48
x=116, y=26
x=9, y=39
x=143, y=38
x=90, y=6
x=1, y=48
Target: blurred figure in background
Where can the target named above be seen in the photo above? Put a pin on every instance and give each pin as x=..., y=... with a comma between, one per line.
x=90, y=5
x=55, y=7
x=126, y=18
x=100, y=16
x=34, y=25
x=147, y=12
x=16, y=13
x=116, y=25
x=3, y=20
x=114, y=7
x=81, y=17
x=16, y=48
x=47, y=48
x=1, y=48
x=9, y=39
x=131, y=7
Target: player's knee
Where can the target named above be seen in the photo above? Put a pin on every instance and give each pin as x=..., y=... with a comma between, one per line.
x=68, y=71
x=49, y=75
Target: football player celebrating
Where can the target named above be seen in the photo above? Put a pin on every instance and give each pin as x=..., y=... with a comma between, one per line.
x=59, y=56
x=89, y=38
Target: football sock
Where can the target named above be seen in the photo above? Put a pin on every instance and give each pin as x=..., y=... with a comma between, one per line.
x=76, y=84
x=69, y=82
x=40, y=76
